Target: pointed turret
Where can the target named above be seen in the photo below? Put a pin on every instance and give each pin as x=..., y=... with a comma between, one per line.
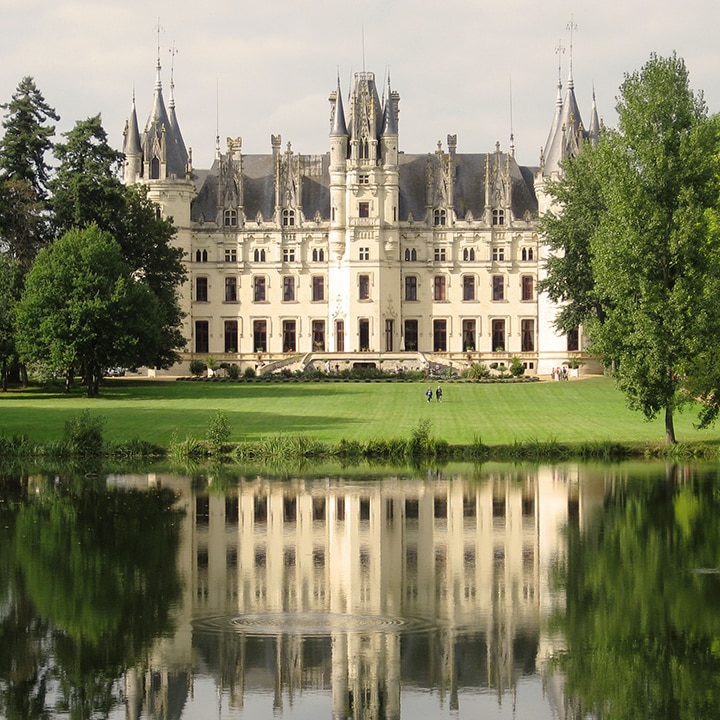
x=390, y=125
x=567, y=133
x=339, y=127
x=132, y=147
x=594, y=129
x=164, y=151
x=172, y=117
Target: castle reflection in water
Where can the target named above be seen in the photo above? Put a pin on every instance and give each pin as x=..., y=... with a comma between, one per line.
x=364, y=588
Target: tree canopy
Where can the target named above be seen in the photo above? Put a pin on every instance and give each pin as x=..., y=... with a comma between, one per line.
x=84, y=308
x=86, y=190
x=636, y=244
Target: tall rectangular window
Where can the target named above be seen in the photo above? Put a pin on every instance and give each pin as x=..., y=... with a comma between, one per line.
x=527, y=287
x=389, y=332
x=231, y=336
x=411, y=287
x=527, y=335
x=364, y=333
x=318, y=288
x=340, y=336
x=230, y=289
x=439, y=335
x=259, y=289
x=439, y=288
x=498, y=335
x=364, y=209
x=202, y=336
x=411, y=334
x=498, y=254
x=201, y=289
x=498, y=287
x=440, y=254
x=573, y=340
x=289, y=335
x=260, y=335
x=363, y=287
x=318, y=335
x=288, y=254
x=468, y=332
x=288, y=289
x=364, y=253
x=468, y=287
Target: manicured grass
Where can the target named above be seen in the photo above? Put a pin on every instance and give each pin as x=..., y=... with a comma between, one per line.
x=580, y=410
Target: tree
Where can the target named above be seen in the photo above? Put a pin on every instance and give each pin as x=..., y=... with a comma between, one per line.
x=84, y=309
x=27, y=137
x=9, y=294
x=87, y=190
x=638, y=253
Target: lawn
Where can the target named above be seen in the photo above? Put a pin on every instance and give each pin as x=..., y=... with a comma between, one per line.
x=579, y=410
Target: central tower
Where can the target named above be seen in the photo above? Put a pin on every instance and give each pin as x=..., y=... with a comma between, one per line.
x=363, y=277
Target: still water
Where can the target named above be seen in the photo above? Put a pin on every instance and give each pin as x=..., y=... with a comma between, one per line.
x=531, y=593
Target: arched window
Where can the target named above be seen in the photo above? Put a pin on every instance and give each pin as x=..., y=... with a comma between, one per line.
x=259, y=255
x=468, y=254
x=413, y=254
x=407, y=254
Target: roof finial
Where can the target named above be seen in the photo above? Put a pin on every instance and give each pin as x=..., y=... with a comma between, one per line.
x=158, y=83
x=363, y=47
x=217, y=119
x=512, y=133
x=559, y=50
x=173, y=52
x=571, y=27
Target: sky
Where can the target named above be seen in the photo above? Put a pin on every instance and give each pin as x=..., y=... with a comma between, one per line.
x=478, y=69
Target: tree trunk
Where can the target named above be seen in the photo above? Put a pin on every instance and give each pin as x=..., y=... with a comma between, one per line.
x=669, y=427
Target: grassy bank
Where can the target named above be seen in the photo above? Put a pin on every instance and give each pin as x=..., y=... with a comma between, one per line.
x=585, y=411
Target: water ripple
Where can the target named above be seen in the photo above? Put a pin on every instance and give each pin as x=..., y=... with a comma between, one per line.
x=310, y=623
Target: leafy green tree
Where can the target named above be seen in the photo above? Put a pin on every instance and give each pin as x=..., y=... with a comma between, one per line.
x=9, y=295
x=637, y=249
x=84, y=309
x=87, y=190
x=27, y=138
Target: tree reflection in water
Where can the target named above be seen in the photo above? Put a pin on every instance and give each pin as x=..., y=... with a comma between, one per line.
x=642, y=623
x=504, y=592
x=90, y=576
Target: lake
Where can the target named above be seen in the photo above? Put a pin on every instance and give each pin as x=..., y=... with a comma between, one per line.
x=523, y=592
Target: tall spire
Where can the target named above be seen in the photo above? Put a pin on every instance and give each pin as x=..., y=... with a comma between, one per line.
x=339, y=127
x=162, y=142
x=172, y=118
x=389, y=119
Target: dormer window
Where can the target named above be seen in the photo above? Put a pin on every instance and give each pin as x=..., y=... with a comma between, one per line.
x=288, y=218
x=439, y=217
x=230, y=218
x=498, y=217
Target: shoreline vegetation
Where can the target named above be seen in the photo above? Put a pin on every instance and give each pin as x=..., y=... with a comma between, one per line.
x=222, y=424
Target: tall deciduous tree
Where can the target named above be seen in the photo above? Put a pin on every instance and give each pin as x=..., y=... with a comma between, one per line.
x=9, y=293
x=84, y=309
x=642, y=254
x=87, y=190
